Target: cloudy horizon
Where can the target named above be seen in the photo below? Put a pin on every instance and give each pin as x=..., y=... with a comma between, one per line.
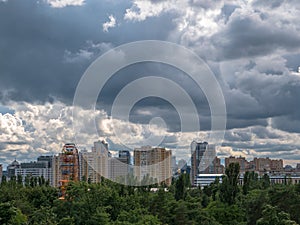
x=252, y=47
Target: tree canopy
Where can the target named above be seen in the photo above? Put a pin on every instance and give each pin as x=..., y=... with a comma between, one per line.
x=256, y=202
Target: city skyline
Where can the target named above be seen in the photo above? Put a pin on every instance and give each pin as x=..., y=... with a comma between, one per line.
x=150, y=165
x=251, y=47
x=118, y=154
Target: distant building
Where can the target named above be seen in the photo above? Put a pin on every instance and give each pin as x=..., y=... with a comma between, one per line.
x=65, y=166
x=120, y=167
x=87, y=166
x=124, y=156
x=259, y=165
x=268, y=165
x=288, y=168
x=215, y=167
x=283, y=179
x=182, y=163
x=298, y=167
x=202, y=156
x=276, y=165
x=203, y=180
x=154, y=163
x=174, y=166
x=35, y=169
x=119, y=170
x=55, y=171
x=95, y=164
x=11, y=168
x=47, y=159
x=244, y=164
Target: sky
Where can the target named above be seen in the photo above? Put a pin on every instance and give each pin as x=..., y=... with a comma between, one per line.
x=252, y=48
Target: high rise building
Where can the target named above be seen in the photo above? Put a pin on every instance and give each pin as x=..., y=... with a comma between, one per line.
x=202, y=156
x=55, y=171
x=47, y=159
x=154, y=163
x=124, y=156
x=95, y=164
x=120, y=167
x=88, y=167
x=119, y=170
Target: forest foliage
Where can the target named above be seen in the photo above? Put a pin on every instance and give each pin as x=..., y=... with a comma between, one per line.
x=256, y=202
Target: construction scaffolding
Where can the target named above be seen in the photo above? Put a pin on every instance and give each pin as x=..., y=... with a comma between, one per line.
x=68, y=167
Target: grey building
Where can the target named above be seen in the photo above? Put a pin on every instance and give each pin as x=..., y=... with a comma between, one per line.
x=202, y=155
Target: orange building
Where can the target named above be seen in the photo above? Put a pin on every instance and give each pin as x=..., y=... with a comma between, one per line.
x=68, y=165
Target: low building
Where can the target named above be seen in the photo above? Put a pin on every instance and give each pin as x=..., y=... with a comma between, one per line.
x=34, y=169
x=203, y=180
x=11, y=168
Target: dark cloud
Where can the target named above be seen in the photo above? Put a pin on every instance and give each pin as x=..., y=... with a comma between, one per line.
x=268, y=3
x=254, y=35
x=44, y=52
x=287, y=123
x=35, y=38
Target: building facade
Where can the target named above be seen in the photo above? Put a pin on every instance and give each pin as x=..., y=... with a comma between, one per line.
x=65, y=166
x=11, y=168
x=202, y=156
x=259, y=165
x=154, y=163
x=244, y=164
x=35, y=169
x=215, y=167
x=95, y=164
x=124, y=157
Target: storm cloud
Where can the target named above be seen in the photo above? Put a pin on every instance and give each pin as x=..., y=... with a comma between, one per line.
x=252, y=47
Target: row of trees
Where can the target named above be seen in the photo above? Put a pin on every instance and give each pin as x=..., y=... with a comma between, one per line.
x=29, y=181
x=255, y=203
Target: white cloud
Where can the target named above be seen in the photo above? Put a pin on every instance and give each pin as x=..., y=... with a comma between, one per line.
x=87, y=53
x=80, y=56
x=142, y=9
x=109, y=24
x=64, y=3
x=36, y=129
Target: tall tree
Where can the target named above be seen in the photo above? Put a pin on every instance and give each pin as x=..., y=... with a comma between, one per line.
x=265, y=181
x=20, y=180
x=229, y=187
x=180, y=187
x=250, y=182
